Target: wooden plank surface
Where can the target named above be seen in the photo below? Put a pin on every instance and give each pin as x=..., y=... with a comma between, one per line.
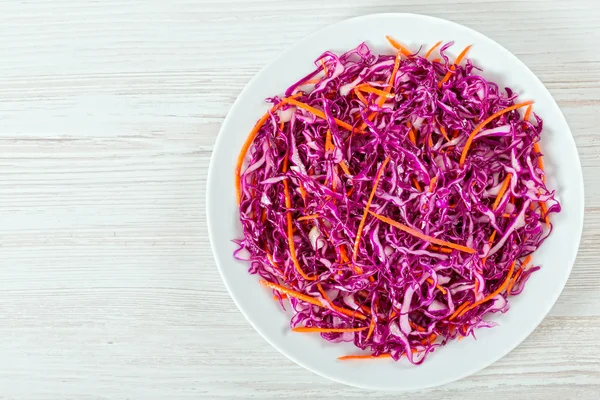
x=108, y=114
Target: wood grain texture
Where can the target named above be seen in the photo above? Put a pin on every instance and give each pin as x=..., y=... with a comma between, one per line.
x=108, y=114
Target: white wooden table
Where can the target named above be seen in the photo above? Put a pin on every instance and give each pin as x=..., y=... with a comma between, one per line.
x=108, y=114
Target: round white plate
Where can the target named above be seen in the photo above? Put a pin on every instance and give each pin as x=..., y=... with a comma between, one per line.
x=459, y=358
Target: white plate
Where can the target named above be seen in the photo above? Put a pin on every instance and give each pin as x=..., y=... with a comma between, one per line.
x=457, y=359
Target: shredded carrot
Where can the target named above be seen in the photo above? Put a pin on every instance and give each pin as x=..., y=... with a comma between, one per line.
x=463, y=156
x=308, y=217
x=292, y=293
x=453, y=67
x=371, y=329
x=526, y=261
x=248, y=143
x=371, y=325
x=444, y=134
x=363, y=357
x=432, y=183
x=440, y=249
x=495, y=292
x=302, y=192
x=343, y=254
x=536, y=148
x=345, y=311
x=365, y=309
x=527, y=113
x=328, y=142
x=411, y=133
x=415, y=326
x=418, y=234
x=513, y=281
x=311, y=82
x=388, y=89
x=283, y=296
x=417, y=186
x=312, y=300
x=432, y=49
x=430, y=141
x=364, y=217
x=458, y=310
x=502, y=191
x=436, y=60
x=245, y=147
x=490, y=241
x=344, y=167
x=369, y=89
x=324, y=67
x=263, y=217
x=398, y=46
x=328, y=330
x=361, y=97
x=316, y=112
x=290, y=226
x=441, y=289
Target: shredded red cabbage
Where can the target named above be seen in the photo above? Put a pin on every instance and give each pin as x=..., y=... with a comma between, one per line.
x=409, y=294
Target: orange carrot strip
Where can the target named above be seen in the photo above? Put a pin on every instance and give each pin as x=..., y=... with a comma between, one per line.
x=283, y=297
x=308, y=217
x=417, y=186
x=432, y=49
x=245, y=147
x=365, y=309
x=361, y=97
x=388, y=89
x=453, y=67
x=432, y=183
x=369, y=89
x=328, y=142
x=490, y=241
x=371, y=325
x=248, y=143
x=440, y=249
x=436, y=60
x=302, y=192
x=458, y=310
x=411, y=133
x=371, y=329
x=444, y=134
x=502, y=191
x=290, y=227
x=418, y=234
x=398, y=46
x=463, y=156
x=513, y=281
x=527, y=114
x=292, y=293
x=324, y=67
x=328, y=330
x=312, y=300
x=441, y=289
x=364, y=217
x=536, y=148
x=317, y=113
x=344, y=167
x=363, y=357
x=495, y=292
x=311, y=82
x=345, y=311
